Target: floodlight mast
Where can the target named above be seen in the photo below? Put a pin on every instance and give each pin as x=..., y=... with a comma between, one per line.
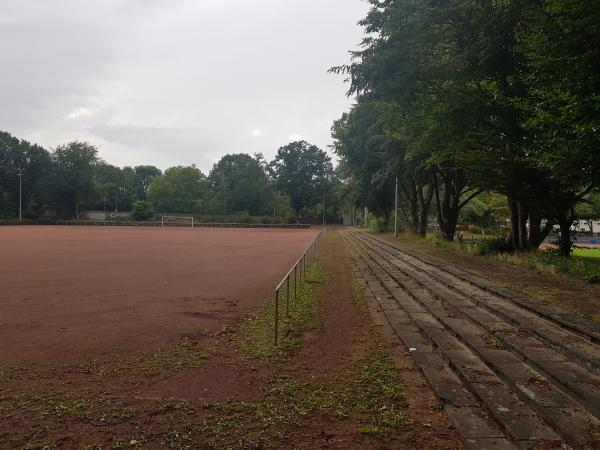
x=20, y=194
x=396, y=209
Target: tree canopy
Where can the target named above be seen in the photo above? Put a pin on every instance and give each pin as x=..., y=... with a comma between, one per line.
x=461, y=97
x=303, y=172
x=71, y=178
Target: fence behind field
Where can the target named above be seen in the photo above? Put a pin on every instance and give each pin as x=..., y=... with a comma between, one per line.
x=159, y=224
x=298, y=273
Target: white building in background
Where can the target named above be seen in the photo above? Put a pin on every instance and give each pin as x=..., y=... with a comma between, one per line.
x=583, y=226
x=103, y=215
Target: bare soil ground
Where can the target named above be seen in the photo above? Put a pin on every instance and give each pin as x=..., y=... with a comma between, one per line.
x=74, y=293
x=344, y=382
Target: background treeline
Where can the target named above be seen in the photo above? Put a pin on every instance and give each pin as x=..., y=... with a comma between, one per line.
x=72, y=178
x=463, y=97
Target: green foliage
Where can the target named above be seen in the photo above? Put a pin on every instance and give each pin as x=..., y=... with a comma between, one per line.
x=585, y=264
x=255, y=337
x=379, y=224
x=240, y=183
x=493, y=246
x=145, y=175
x=179, y=190
x=142, y=210
x=460, y=97
x=304, y=173
x=35, y=165
x=553, y=262
x=73, y=179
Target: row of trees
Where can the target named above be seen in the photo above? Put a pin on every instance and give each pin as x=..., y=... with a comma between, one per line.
x=461, y=97
x=72, y=177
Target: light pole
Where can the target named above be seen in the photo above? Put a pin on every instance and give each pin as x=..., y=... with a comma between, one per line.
x=20, y=194
x=396, y=209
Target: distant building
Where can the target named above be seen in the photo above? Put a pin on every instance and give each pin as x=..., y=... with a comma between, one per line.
x=103, y=215
x=583, y=226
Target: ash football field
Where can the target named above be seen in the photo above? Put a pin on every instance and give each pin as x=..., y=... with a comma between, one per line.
x=69, y=294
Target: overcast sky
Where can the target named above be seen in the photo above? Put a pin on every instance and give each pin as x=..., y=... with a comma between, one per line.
x=169, y=82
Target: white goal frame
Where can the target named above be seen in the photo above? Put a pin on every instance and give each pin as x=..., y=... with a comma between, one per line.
x=177, y=220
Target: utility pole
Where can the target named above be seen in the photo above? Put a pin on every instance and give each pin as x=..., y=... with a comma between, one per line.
x=396, y=208
x=20, y=194
x=323, y=211
x=366, y=214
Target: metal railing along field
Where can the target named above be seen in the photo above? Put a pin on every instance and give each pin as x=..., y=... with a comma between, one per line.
x=298, y=273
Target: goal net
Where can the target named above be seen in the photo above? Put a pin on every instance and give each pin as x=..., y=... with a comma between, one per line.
x=177, y=221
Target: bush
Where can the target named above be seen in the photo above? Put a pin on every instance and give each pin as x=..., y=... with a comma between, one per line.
x=142, y=210
x=496, y=245
x=379, y=224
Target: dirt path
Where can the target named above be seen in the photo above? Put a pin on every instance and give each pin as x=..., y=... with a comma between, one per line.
x=509, y=375
x=342, y=380
x=351, y=331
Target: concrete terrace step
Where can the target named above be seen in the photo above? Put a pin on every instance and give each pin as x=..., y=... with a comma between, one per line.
x=516, y=377
x=554, y=361
x=474, y=424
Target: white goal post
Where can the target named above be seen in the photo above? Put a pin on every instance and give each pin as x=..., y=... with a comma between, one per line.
x=177, y=221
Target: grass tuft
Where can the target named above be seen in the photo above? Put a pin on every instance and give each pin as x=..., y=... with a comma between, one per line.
x=552, y=263
x=255, y=336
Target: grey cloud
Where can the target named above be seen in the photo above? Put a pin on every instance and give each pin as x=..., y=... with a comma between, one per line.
x=174, y=81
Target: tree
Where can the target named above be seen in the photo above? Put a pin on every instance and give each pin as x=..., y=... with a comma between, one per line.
x=180, y=190
x=240, y=184
x=35, y=165
x=364, y=149
x=496, y=96
x=589, y=209
x=560, y=41
x=304, y=172
x=412, y=68
x=145, y=175
x=109, y=180
x=73, y=177
x=142, y=210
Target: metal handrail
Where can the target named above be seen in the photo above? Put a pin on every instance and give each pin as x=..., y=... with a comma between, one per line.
x=302, y=262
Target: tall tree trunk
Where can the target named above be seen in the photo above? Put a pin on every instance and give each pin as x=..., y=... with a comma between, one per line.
x=438, y=204
x=534, y=237
x=565, y=237
x=454, y=184
x=424, y=200
x=537, y=233
x=514, y=223
x=522, y=223
x=408, y=186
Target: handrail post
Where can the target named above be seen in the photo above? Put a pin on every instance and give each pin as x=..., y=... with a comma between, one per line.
x=276, y=315
x=299, y=272
x=287, y=298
